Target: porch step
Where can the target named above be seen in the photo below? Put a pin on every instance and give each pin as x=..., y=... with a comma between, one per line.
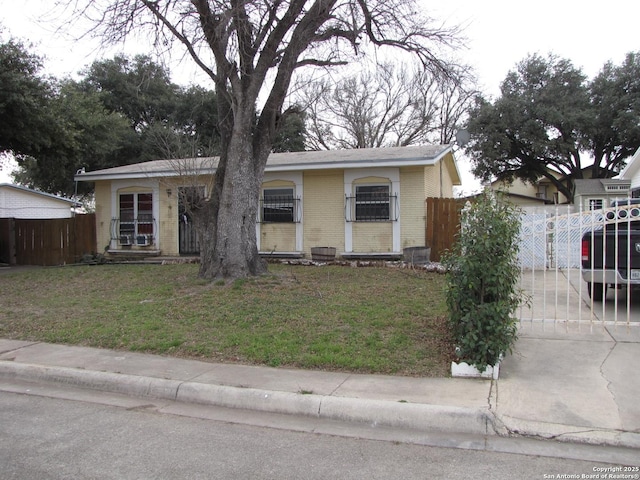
x=132, y=255
x=147, y=253
x=371, y=255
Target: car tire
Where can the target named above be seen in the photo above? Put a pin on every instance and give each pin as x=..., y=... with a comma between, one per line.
x=597, y=291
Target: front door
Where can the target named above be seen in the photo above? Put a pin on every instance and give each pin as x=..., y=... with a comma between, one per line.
x=187, y=235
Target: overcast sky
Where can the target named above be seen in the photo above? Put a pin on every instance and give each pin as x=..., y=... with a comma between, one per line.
x=500, y=33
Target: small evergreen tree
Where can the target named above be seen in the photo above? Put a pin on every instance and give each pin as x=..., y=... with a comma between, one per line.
x=482, y=282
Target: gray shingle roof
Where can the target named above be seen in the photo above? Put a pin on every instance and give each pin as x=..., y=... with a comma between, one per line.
x=357, y=158
x=596, y=186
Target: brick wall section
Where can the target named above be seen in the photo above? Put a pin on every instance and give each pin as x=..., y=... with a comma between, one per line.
x=432, y=181
x=412, y=212
x=323, y=210
x=167, y=224
x=373, y=237
x=278, y=237
x=103, y=215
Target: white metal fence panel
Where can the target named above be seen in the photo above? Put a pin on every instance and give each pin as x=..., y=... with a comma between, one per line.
x=550, y=254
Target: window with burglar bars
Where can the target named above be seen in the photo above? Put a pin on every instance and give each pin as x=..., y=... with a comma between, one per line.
x=278, y=205
x=135, y=224
x=136, y=214
x=372, y=203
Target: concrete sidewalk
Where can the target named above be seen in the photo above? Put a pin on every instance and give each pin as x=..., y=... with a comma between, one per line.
x=568, y=386
x=441, y=405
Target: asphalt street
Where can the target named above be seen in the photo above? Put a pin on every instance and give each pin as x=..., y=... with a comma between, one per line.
x=48, y=438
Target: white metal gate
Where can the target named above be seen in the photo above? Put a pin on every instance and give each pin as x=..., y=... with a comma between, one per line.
x=550, y=254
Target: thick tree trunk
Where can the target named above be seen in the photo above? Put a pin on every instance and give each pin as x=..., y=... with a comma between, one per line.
x=228, y=248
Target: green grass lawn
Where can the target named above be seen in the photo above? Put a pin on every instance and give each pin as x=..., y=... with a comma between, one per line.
x=373, y=319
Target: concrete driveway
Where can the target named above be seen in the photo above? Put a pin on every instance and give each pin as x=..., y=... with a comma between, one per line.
x=560, y=297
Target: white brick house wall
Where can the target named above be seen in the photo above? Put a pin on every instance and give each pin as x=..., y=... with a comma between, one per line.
x=21, y=202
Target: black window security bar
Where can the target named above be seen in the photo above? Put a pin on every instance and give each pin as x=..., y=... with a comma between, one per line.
x=371, y=207
x=134, y=231
x=279, y=209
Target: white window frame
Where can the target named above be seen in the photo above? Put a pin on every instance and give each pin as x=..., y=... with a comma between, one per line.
x=298, y=191
x=135, y=222
x=135, y=186
x=351, y=177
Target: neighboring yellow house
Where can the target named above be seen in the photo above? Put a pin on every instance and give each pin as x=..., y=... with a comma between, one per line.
x=363, y=203
x=530, y=194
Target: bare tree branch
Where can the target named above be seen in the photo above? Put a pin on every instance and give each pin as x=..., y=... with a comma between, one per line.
x=392, y=106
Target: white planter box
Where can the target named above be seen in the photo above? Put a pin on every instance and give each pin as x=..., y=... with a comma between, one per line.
x=465, y=370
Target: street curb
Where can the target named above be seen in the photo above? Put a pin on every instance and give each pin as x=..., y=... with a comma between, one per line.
x=104, y=381
x=514, y=427
x=421, y=417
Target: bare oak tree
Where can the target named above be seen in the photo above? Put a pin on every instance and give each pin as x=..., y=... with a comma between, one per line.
x=251, y=50
x=393, y=105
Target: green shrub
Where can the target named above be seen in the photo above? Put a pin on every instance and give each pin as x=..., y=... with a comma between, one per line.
x=482, y=292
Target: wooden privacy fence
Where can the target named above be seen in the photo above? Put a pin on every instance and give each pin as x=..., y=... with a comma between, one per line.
x=57, y=241
x=443, y=224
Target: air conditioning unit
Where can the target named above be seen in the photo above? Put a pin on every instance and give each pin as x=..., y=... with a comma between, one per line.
x=125, y=240
x=143, y=240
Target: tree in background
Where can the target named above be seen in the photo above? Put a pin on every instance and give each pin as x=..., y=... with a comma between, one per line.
x=614, y=129
x=196, y=117
x=390, y=106
x=456, y=99
x=251, y=50
x=85, y=134
x=123, y=110
x=51, y=128
x=550, y=122
x=292, y=133
x=25, y=128
x=169, y=121
x=138, y=88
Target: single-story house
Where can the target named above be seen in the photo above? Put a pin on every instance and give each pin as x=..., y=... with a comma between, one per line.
x=363, y=203
x=21, y=202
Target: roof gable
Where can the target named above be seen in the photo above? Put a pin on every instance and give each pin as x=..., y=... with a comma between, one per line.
x=36, y=193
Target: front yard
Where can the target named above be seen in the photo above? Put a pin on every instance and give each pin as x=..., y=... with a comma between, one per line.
x=366, y=320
